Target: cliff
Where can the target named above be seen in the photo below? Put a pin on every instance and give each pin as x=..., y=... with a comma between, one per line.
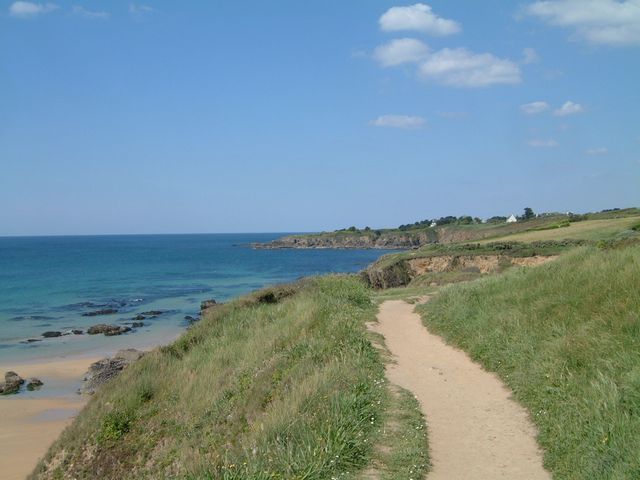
x=405, y=239
x=399, y=270
x=361, y=239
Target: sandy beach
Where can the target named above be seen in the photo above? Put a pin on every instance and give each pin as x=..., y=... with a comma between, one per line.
x=31, y=421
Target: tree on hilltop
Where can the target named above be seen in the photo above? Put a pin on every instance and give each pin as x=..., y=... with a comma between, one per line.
x=528, y=213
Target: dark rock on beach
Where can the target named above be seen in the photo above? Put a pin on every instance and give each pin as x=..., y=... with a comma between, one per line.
x=139, y=317
x=189, y=318
x=34, y=384
x=12, y=382
x=108, y=330
x=51, y=334
x=31, y=340
x=137, y=324
x=207, y=304
x=154, y=313
x=104, y=311
x=104, y=370
x=77, y=332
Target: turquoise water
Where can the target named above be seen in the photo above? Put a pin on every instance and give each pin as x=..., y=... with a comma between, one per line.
x=48, y=283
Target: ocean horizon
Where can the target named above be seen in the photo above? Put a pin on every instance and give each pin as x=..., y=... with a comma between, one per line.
x=58, y=282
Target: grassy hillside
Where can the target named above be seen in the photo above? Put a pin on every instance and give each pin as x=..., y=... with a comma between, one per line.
x=283, y=384
x=580, y=226
x=549, y=239
x=565, y=337
x=585, y=230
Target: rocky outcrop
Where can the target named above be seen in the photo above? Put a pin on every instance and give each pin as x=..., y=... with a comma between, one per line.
x=108, y=330
x=402, y=239
x=396, y=274
x=34, y=384
x=51, y=334
x=207, y=304
x=106, y=369
x=384, y=240
x=104, y=311
x=11, y=384
x=402, y=271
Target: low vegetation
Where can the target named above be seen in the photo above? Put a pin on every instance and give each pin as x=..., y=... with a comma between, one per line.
x=590, y=230
x=281, y=384
x=565, y=337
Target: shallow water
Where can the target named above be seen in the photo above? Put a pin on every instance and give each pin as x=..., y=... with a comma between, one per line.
x=48, y=283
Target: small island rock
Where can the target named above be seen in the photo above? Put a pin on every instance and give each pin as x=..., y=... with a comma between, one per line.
x=12, y=382
x=105, y=311
x=107, y=330
x=34, y=384
x=51, y=334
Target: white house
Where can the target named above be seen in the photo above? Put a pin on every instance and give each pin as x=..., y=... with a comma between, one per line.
x=433, y=224
x=512, y=219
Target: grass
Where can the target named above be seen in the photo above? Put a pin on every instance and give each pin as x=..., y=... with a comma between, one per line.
x=592, y=230
x=400, y=452
x=506, y=248
x=281, y=384
x=565, y=337
x=410, y=293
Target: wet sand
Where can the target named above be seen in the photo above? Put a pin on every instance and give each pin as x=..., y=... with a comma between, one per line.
x=31, y=421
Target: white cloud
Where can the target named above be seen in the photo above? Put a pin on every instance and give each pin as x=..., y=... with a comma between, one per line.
x=83, y=12
x=30, y=9
x=139, y=10
x=596, y=151
x=399, y=51
x=529, y=55
x=534, y=108
x=398, y=121
x=462, y=68
x=418, y=17
x=550, y=143
x=607, y=22
x=568, y=108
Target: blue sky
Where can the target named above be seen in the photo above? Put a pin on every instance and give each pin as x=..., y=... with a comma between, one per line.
x=200, y=116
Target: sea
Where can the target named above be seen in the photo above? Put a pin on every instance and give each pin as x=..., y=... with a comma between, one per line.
x=56, y=283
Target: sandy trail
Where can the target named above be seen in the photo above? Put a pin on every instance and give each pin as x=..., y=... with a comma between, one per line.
x=30, y=424
x=476, y=431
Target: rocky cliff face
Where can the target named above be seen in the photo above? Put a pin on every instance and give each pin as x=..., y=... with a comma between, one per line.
x=403, y=271
x=355, y=240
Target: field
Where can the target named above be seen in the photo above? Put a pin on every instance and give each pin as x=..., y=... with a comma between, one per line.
x=585, y=230
x=282, y=384
x=565, y=337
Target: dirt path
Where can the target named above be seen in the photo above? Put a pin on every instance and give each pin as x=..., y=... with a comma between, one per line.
x=476, y=431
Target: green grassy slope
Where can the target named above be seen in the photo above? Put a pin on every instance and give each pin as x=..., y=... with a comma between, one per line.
x=581, y=226
x=565, y=337
x=604, y=229
x=280, y=385
x=547, y=240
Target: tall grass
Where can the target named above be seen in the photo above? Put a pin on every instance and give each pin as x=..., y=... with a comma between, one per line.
x=257, y=390
x=566, y=338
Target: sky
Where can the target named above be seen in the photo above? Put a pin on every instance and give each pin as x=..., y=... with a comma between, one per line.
x=254, y=116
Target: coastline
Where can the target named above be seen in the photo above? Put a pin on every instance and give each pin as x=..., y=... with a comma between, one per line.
x=32, y=421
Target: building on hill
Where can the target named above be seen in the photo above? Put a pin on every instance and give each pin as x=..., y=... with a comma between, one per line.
x=512, y=219
x=433, y=224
